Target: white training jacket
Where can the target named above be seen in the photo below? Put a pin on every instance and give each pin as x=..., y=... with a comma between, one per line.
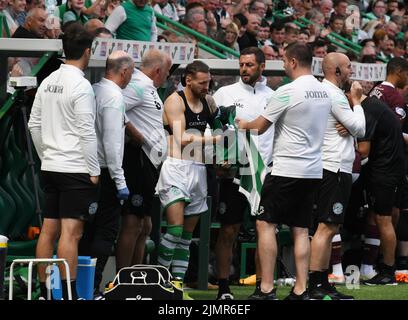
x=110, y=129
x=339, y=152
x=250, y=103
x=144, y=110
x=62, y=123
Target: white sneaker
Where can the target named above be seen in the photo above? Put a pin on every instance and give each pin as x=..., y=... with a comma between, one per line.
x=367, y=276
x=226, y=296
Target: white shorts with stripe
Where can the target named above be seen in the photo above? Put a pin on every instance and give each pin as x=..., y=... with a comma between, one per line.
x=183, y=180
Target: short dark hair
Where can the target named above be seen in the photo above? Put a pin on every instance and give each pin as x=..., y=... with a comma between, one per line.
x=75, y=41
x=192, y=69
x=257, y=52
x=102, y=30
x=396, y=64
x=301, y=52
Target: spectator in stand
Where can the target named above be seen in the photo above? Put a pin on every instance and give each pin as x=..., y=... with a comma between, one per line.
x=336, y=24
x=277, y=34
x=389, y=48
x=167, y=9
x=258, y=7
x=241, y=21
x=326, y=7
x=380, y=40
x=195, y=19
x=392, y=29
x=31, y=4
x=209, y=14
x=229, y=38
x=303, y=36
x=319, y=49
x=103, y=33
x=133, y=20
x=392, y=7
x=53, y=26
x=318, y=20
x=340, y=8
x=72, y=11
x=270, y=52
x=264, y=34
x=34, y=26
x=93, y=24
x=249, y=37
x=291, y=33
x=17, y=11
x=378, y=11
x=399, y=49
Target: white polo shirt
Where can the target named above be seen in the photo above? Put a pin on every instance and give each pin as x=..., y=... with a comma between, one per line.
x=299, y=111
x=62, y=123
x=250, y=103
x=144, y=110
x=338, y=151
x=110, y=128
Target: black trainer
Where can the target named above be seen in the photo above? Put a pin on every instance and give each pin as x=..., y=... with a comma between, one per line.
x=256, y=292
x=319, y=293
x=382, y=279
x=264, y=296
x=336, y=295
x=294, y=296
x=225, y=296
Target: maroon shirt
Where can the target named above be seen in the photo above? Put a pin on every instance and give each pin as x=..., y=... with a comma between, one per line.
x=391, y=97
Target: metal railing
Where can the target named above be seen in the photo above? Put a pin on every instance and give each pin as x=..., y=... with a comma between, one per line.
x=199, y=36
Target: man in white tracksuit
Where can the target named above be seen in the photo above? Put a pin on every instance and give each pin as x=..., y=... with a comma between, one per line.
x=338, y=156
x=250, y=96
x=100, y=234
x=62, y=125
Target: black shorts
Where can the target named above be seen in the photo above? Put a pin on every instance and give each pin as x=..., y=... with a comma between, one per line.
x=232, y=205
x=382, y=196
x=100, y=234
x=333, y=196
x=288, y=201
x=69, y=195
x=141, y=178
x=403, y=200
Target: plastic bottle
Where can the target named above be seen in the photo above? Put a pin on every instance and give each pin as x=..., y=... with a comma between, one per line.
x=3, y=255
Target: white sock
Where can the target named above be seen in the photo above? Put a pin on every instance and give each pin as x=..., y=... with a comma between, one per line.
x=338, y=269
x=366, y=269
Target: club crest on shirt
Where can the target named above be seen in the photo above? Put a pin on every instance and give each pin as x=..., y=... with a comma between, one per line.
x=137, y=200
x=337, y=208
x=92, y=208
x=222, y=208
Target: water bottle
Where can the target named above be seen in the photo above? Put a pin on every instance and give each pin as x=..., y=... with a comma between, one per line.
x=3, y=255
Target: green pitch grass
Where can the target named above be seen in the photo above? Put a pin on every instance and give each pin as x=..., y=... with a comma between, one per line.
x=399, y=292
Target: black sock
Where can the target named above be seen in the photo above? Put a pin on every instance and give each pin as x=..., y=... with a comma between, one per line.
x=325, y=278
x=386, y=269
x=65, y=289
x=223, y=286
x=315, y=279
x=258, y=283
x=43, y=290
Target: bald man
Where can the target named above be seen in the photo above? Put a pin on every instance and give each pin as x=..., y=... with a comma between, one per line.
x=34, y=25
x=100, y=234
x=143, y=154
x=93, y=24
x=338, y=157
